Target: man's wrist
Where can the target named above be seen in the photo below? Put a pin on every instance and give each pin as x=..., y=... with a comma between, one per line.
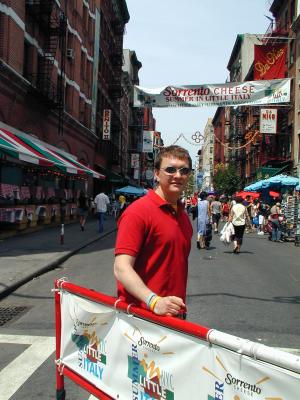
x=153, y=302
x=149, y=299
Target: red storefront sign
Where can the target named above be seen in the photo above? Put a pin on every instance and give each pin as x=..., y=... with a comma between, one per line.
x=269, y=62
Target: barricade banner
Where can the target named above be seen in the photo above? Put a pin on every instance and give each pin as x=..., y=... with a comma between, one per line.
x=128, y=357
x=228, y=94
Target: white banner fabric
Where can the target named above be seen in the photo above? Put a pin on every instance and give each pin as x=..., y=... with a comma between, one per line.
x=226, y=94
x=131, y=358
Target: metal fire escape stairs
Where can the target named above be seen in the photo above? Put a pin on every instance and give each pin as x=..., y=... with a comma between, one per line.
x=52, y=22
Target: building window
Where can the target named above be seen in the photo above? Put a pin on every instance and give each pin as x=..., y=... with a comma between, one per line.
x=2, y=31
x=27, y=61
x=68, y=98
x=292, y=47
x=293, y=11
x=84, y=17
x=81, y=110
x=82, y=65
x=286, y=20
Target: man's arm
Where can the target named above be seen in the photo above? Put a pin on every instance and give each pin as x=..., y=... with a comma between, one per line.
x=126, y=275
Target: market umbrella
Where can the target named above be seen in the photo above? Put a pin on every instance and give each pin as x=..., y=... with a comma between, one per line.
x=276, y=181
x=283, y=180
x=132, y=190
x=254, y=187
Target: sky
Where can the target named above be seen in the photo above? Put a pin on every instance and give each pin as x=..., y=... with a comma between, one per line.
x=188, y=42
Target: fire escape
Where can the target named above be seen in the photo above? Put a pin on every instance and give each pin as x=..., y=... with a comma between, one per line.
x=52, y=23
x=116, y=90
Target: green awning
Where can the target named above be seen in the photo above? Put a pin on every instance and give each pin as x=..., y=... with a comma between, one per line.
x=113, y=177
x=267, y=172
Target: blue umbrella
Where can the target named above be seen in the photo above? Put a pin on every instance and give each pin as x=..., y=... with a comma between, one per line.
x=284, y=180
x=254, y=187
x=297, y=187
x=132, y=190
x=276, y=181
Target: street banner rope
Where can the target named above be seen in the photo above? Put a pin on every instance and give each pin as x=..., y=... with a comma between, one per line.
x=119, y=351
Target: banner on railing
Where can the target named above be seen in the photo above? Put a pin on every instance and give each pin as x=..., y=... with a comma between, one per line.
x=131, y=358
x=227, y=94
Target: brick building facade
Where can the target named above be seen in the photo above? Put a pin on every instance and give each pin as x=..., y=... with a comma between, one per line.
x=61, y=66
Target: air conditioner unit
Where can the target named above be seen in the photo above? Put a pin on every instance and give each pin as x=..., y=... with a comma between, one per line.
x=70, y=54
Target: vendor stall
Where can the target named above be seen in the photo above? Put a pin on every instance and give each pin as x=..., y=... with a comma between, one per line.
x=37, y=181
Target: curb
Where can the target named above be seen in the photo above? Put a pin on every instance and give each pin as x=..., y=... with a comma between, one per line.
x=49, y=267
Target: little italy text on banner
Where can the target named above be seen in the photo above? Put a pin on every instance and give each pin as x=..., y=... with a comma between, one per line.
x=227, y=94
x=129, y=358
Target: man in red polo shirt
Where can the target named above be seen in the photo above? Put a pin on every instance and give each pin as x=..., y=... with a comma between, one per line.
x=154, y=240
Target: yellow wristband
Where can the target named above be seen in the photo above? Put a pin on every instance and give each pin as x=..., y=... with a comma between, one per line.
x=153, y=302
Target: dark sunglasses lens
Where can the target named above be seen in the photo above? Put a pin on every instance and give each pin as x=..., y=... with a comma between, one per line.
x=184, y=171
x=170, y=170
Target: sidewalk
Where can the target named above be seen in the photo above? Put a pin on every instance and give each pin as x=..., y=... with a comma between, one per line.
x=24, y=257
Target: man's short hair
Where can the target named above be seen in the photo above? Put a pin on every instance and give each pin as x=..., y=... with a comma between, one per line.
x=172, y=151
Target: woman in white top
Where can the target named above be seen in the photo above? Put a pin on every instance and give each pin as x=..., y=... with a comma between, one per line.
x=238, y=217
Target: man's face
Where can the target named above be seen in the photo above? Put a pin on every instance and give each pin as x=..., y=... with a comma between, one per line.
x=173, y=183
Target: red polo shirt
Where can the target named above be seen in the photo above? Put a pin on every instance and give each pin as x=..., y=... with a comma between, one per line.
x=160, y=239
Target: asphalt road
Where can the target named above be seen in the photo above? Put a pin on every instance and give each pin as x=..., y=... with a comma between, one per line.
x=254, y=295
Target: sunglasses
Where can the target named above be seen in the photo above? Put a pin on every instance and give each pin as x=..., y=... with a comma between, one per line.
x=173, y=170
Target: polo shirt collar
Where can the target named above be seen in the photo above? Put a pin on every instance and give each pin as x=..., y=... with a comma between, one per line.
x=159, y=201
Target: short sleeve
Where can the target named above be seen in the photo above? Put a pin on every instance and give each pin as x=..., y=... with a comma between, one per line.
x=131, y=233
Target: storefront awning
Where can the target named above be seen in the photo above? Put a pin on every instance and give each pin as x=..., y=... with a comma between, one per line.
x=15, y=147
x=32, y=150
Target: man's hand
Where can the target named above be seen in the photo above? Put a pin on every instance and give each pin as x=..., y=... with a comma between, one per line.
x=170, y=305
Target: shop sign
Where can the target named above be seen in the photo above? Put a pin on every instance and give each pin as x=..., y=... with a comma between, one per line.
x=268, y=120
x=148, y=141
x=269, y=61
x=136, y=173
x=135, y=160
x=106, y=124
x=228, y=94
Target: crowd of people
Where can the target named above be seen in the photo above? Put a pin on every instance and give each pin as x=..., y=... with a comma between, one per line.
x=246, y=214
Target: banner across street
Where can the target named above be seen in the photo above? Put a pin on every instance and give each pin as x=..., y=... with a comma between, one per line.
x=227, y=94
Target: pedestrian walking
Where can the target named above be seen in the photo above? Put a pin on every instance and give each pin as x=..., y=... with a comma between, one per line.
x=83, y=207
x=225, y=210
x=101, y=201
x=203, y=219
x=122, y=205
x=275, y=218
x=238, y=216
x=154, y=240
x=216, y=209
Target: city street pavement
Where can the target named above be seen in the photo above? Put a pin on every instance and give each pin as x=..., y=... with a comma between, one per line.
x=25, y=257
